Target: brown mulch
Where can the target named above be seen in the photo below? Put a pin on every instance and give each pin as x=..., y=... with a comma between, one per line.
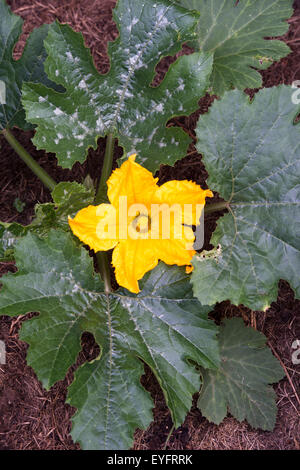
x=32, y=418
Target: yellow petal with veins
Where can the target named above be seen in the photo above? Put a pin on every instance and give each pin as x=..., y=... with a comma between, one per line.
x=174, y=252
x=131, y=260
x=96, y=227
x=133, y=181
x=184, y=193
x=178, y=249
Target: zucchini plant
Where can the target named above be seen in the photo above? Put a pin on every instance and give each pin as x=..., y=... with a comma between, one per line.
x=159, y=315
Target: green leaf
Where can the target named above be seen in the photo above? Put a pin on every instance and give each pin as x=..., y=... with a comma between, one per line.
x=251, y=152
x=68, y=197
x=71, y=197
x=240, y=385
x=235, y=33
x=121, y=102
x=163, y=325
x=14, y=73
x=9, y=234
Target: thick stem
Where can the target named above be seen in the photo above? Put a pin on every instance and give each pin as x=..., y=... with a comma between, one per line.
x=103, y=266
x=218, y=206
x=30, y=162
x=101, y=196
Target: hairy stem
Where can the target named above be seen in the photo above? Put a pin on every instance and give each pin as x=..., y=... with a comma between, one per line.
x=217, y=206
x=30, y=162
x=101, y=196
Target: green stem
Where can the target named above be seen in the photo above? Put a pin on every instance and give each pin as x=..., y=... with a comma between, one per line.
x=106, y=170
x=30, y=162
x=101, y=196
x=103, y=266
x=217, y=206
x=169, y=436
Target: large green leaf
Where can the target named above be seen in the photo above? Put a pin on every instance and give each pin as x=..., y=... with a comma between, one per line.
x=235, y=32
x=9, y=234
x=14, y=73
x=241, y=383
x=251, y=151
x=163, y=325
x=68, y=199
x=121, y=102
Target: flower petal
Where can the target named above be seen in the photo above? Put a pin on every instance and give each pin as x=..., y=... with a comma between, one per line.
x=175, y=250
x=171, y=240
x=133, y=181
x=96, y=226
x=131, y=260
x=184, y=193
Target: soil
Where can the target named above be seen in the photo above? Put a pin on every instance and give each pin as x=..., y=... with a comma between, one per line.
x=32, y=418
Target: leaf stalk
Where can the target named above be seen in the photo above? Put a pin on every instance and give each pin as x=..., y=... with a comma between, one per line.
x=103, y=265
x=217, y=206
x=101, y=196
x=29, y=160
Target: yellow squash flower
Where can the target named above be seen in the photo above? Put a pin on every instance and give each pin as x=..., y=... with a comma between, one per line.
x=139, y=224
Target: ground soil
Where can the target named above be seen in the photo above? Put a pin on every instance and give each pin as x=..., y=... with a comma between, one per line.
x=32, y=418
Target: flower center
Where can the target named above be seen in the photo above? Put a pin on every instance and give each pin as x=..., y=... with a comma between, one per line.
x=141, y=223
